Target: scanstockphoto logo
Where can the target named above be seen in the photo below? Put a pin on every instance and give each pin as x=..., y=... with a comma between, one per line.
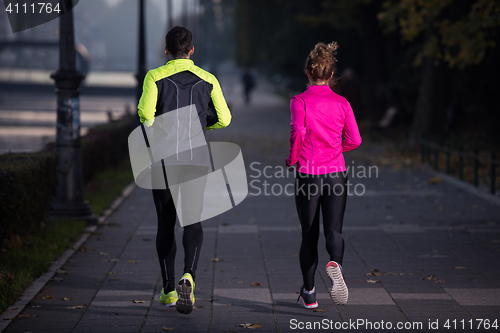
x=26, y=14
x=205, y=179
x=274, y=180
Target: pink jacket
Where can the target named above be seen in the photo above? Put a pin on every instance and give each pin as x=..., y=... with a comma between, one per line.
x=319, y=118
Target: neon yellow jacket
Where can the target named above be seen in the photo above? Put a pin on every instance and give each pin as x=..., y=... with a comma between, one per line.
x=180, y=83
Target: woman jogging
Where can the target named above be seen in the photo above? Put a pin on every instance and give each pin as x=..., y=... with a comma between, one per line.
x=319, y=119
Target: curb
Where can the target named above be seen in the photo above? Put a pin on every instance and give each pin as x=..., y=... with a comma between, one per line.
x=467, y=187
x=12, y=311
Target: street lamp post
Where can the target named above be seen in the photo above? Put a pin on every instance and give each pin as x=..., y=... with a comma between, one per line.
x=141, y=68
x=185, y=4
x=69, y=202
x=170, y=16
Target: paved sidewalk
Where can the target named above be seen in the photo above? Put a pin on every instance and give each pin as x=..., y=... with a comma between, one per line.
x=433, y=250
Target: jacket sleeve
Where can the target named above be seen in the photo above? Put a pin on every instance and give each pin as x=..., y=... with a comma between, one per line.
x=147, y=102
x=219, y=103
x=298, y=129
x=352, y=138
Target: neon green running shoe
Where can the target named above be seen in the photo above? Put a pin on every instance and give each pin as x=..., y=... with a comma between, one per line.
x=185, y=289
x=169, y=299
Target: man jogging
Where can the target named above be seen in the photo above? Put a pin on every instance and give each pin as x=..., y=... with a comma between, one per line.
x=179, y=83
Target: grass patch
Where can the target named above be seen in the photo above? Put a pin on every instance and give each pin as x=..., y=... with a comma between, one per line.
x=107, y=185
x=24, y=259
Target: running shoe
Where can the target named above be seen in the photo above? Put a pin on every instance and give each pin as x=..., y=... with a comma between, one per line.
x=185, y=289
x=308, y=299
x=339, y=290
x=168, y=299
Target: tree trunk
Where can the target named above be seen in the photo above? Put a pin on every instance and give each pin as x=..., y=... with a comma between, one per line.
x=421, y=123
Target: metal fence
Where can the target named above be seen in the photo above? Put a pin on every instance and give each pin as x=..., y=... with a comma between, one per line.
x=429, y=148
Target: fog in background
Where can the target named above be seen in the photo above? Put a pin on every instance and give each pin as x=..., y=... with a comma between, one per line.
x=109, y=31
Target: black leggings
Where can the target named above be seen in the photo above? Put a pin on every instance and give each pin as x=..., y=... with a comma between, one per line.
x=166, y=247
x=312, y=192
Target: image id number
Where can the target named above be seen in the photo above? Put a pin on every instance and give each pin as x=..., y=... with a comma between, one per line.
x=39, y=8
x=485, y=324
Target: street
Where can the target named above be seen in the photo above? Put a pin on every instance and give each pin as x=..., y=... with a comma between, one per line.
x=418, y=256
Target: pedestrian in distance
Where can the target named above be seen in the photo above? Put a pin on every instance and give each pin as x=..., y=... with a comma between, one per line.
x=177, y=84
x=319, y=119
x=248, y=85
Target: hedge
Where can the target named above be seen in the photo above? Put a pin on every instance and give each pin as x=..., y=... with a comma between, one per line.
x=106, y=145
x=27, y=184
x=28, y=180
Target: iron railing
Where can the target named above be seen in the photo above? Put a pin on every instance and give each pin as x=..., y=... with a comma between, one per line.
x=428, y=148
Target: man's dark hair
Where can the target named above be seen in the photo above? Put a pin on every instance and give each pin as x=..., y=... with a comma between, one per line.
x=179, y=41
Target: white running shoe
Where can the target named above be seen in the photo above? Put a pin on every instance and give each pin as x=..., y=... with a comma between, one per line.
x=339, y=290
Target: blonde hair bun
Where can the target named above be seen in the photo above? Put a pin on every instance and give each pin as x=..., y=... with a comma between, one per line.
x=321, y=61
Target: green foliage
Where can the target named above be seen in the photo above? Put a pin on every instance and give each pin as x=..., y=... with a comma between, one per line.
x=455, y=32
x=27, y=183
x=106, y=145
x=24, y=259
x=341, y=15
x=276, y=36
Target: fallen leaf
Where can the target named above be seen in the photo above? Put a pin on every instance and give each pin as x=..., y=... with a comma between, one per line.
x=109, y=273
x=67, y=298
x=27, y=315
x=60, y=271
x=251, y=326
x=240, y=281
x=200, y=306
x=294, y=255
x=229, y=303
x=46, y=297
x=318, y=310
x=431, y=278
x=165, y=328
x=78, y=306
x=435, y=180
x=212, y=299
x=256, y=284
x=103, y=254
x=136, y=301
x=133, y=261
x=109, y=260
x=440, y=281
x=33, y=306
x=373, y=281
x=459, y=267
x=217, y=259
x=84, y=248
x=58, y=279
x=233, y=266
x=495, y=241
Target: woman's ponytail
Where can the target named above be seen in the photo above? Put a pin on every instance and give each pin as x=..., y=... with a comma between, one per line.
x=321, y=61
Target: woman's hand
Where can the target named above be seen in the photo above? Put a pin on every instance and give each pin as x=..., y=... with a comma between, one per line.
x=290, y=167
